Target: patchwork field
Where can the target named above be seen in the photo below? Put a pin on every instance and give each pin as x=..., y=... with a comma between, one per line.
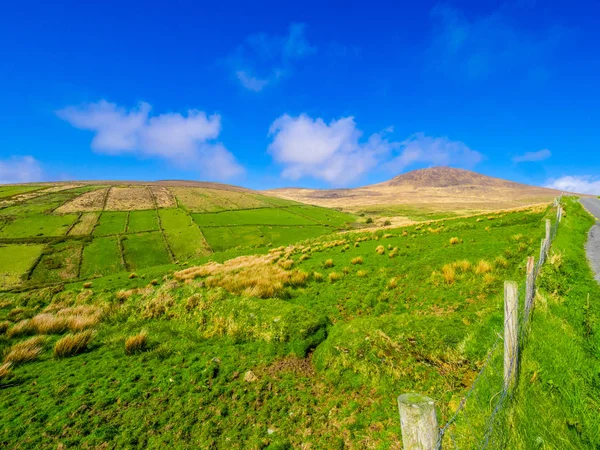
x=96, y=230
x=253, y=351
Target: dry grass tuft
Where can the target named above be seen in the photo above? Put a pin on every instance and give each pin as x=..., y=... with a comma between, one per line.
x=304, y=257
x=49, y=324
x=356, y=245
x=87, y=284
x=22, y=328
x=463, y=265
x=73, y=344
x=333, y=277
x=137, y=343
x=4, y=326
x=454, y=241
x=357, y=260
x=286, y=264
x=449, y=273
x=501, y=261
x=380, y=249
x=123, y=294
x=132, y=275
x=387, y=236
x=25, y=351
x=489, y=278
x=317, y=276
x=393, y=283
x=5, y=371
x=328, y=263
x=393, y=253
x=361, y=273
x=483, y=267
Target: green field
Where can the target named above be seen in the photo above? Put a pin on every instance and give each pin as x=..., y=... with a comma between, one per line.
x=144, y=250
x=101, y=257
x=263, y=216
x=111, y=223
x=142, y=221
x=16, y=260
x=10, y=191
x=377, y=313
x=38, y=225
x=183, y=236
x=60, y=262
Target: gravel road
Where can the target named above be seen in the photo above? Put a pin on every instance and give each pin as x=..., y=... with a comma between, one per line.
x=593, y=244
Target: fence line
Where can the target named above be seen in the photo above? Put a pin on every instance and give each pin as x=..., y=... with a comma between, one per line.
x=516, y=329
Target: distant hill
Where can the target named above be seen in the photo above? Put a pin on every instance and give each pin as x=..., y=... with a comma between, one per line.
x=441, y=188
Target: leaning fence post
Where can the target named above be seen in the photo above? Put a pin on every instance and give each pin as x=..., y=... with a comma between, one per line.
x=418, y=421
x=530, y=286
x=542, y=252
x=511, y=305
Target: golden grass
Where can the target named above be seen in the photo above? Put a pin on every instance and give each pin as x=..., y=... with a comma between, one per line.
x=49, y=324
x=22, y=328
x=463, y=265
x=346, y=270
x=317, y=276
x=393, y=283
x=501, y=261
x=449, y=273
x=129, y=199
x=87, y=202
x=163, y=196
x=380, y=249
x=387, y=236
x=361, y=273
x=393, y=253
x=87, y=284
x=5, y=370
x=304, y=257
x=328, y=263
x=482, y=267
x=489, y=278
x=73, y=344
x=137, y=343
x=158, y=306
x=357, y=260
x=333, y=277
x=85, y=224
x=454, y=241
x=4, y=326
x=405, y=233
x=286, y=264
x=253, y=276
x=25, y=351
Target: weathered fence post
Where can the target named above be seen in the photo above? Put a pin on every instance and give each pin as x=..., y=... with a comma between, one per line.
x=542, y=252
x=511, y=306
x=419, y=422
x=529, y=287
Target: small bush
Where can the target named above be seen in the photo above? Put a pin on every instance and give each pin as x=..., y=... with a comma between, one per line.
x=357, y=260
x=483, y=267
x=318, y=276
x=380, y=249
x=328, y=263
x=356, y=245
x=73, y=344
x=25, y=351
x=334, y=276
x=387, y=223
x=454, y=241
x=137, y=343
x=369, y=220
x=154, y=282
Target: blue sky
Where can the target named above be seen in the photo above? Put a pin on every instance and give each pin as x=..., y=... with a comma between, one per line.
x=315, y=94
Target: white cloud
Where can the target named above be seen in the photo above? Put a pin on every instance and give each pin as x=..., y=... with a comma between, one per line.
x=332, y=152
x=584, y=184
x=540, y=155
x=438, y=151
x=20, y=169
x=265, y=58
x=187, y=141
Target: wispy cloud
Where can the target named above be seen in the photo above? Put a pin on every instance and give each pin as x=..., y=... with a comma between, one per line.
x=487, y=45
x=20, y=169
x=336, y=152
x=580, y=184
x=540, y=155
x=187, y=141
x=264, y=58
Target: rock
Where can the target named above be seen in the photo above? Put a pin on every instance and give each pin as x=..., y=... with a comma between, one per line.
x=250, y=377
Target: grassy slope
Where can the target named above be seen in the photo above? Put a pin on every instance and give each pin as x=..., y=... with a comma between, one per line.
x=423, y=334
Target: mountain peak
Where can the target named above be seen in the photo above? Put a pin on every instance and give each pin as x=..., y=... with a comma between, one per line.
x=445, y=177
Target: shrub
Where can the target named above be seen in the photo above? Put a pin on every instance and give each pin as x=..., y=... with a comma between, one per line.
x=380, y=249
x=328, y=263
x=357, y=260
x=369, y=220
x=361, y=273
x=73, y=344
x=25, y=351
x=483, y=267
x=5, y=370
x=387, y=222
x=333, y=277
x=454, y=241
x=318, y=276
x=449, y=273
x=154, y=282
x=22, y=328
x=137, y=343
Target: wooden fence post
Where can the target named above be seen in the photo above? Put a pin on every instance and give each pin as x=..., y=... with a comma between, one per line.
x=530, y=287
x=511, y=306
x=418, y=421
x=542, y=252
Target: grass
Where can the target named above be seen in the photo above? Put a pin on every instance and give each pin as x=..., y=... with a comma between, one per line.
x=59, y=262
x=73, y=344
x=101, y=257
x=85, y=225
x=38, y=225
x=25, y=351
x=111, y=223
x=183, y=236
x=145, y=250
x=137, y=343
x=15, y=261
x=142, y=221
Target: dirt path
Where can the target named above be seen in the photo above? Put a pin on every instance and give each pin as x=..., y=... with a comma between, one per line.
x=593, y=244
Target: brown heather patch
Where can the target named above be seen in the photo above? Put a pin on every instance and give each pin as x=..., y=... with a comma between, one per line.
x=482, y=267
x=5, y=370
x=387, y=236
x=85, y=225
x=25, y=351
x=129, y=199
x=380, y=249
x=137, y=343
x=405, y=233
x=87, y=202
x=252, y=276
x=489, y=278
x=164, y=197
x=286, y=264
x=73, y=344
x=304, y=257
x=87, y=284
